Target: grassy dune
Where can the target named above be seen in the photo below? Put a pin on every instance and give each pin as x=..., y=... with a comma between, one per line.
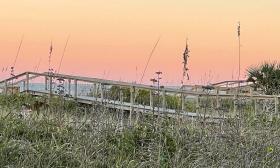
x=68, y=135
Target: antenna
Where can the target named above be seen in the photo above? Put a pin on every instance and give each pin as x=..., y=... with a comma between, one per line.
x=63, y=53
x=152, y=52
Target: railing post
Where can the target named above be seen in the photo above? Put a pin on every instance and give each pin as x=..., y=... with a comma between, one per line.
x=276, y=105
x=95, y=90
x=46, y=83
x=6, y=87
x=255, y=106
x=121, y=101
x=251, y=98
x=50, y=85
x=151, y=99
x=69, y=87
x=102, y=92
x=132, y=92
x=24, y=85
x=197, y=105
x=217, y=99
x=183, y=102
x=234, y=104
x=164, y=100
x=27, y=82
x=75, y=89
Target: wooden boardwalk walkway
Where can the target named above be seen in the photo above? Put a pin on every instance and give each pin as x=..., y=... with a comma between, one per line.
x=71, y=85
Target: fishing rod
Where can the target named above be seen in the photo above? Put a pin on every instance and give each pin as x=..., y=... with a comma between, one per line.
x=148, y=61
x=15, y=61
x=37, y=67
x=14, y=64
x=63, y=54
x=60, y=86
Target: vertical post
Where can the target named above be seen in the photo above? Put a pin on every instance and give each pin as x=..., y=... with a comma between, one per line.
x=50, y=84
x=27, y=82
x=46, y=83
x=75, y=89
x=6, y=87
x=183, y=102
x=276, y=105
x=255, y=106
x=234, y=104
x=102, y=92
x=183, y=107
x=24, y=85
x=163, y=100
x=121, y=101
x=69, y=87
x=151, y=99
x=217, y=99
x=95, y=90
x=132, y=90
x=197, y=106
x=251, y=98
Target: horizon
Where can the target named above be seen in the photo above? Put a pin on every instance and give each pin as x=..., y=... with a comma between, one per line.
x=113, y=39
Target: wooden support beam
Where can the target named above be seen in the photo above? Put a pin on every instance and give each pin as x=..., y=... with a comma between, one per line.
x=69, y=86
x=50, y=85
x=46, y=83
x=95, y=90
x=276, y=102
x=132, y=96
x=217, y=98
x=151, y=99
x=197, y=104
x=164, y=100
x=122, y=111
x=24, y=85
x=183, y=102
x=75, y=89
x=6, y=87
x=255, y=106
x=102, y=92
x=27, y=82
x=235, y=102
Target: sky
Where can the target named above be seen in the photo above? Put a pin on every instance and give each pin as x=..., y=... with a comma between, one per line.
x=112, y=39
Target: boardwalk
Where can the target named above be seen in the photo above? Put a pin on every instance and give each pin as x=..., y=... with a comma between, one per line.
x=72, y=83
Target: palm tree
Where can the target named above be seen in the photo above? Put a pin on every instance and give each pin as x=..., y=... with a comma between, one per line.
x=265, y=77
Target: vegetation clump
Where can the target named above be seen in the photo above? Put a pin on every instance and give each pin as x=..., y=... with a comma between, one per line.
x=96, y=138
x=265, y=77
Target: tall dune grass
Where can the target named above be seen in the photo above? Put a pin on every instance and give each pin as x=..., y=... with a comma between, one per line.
x=77, y=136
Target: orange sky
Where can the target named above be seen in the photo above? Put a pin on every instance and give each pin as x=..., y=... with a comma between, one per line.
x=111, y=38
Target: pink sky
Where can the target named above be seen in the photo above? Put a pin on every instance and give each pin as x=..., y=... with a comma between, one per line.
x=111, y=38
